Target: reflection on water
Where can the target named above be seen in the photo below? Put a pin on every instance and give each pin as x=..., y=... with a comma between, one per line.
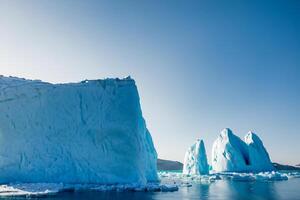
x=103, y=196
x=243, y=190
x=219, y=190
x=229, y=190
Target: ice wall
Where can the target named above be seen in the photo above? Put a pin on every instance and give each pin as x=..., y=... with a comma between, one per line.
x=195, y=160
x=87, y=132
x=231, y=154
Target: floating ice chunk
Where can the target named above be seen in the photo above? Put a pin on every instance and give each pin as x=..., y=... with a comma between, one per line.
x=271, y=176
x=27, y=189
x=46, y=189
x=195, y=160
x=183, y=180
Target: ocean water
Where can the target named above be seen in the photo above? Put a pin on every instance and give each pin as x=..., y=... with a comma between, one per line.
x=222, y=189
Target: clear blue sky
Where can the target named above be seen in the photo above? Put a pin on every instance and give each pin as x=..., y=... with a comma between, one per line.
x=200, y=66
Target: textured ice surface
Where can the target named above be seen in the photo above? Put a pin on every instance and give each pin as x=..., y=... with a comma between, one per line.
x=88, y=132
x=195, y=160
x=231, y=154
x=258, y=156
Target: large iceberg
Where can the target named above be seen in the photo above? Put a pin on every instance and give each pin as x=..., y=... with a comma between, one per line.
x=87, y=132
x=195, y=160
x=231, y=154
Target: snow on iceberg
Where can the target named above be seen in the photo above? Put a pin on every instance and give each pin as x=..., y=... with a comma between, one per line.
x=87, y=132
x=231, y=154
x=195, y=160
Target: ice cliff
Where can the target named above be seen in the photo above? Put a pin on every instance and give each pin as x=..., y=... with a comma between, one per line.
x=195, y=160
x=231, y=154
x=87, y=132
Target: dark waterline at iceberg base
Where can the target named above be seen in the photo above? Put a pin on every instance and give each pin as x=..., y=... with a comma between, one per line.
x=220, y=190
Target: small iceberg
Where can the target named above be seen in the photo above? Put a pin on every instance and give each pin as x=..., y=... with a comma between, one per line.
x=195, y=160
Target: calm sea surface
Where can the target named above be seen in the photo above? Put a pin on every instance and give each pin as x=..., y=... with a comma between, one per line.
x=219, y=190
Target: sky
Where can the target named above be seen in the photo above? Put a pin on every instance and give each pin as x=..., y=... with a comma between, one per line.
x=200, y=66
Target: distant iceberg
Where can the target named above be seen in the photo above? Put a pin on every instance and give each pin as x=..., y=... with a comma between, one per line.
x=231, y=154
x=87, y=132
x=258, y=156
x=195, y=160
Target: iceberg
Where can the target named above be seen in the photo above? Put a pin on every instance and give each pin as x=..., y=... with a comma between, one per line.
x=258, y=155
x=231, y=154
x=195, y=160
x=87, y=132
